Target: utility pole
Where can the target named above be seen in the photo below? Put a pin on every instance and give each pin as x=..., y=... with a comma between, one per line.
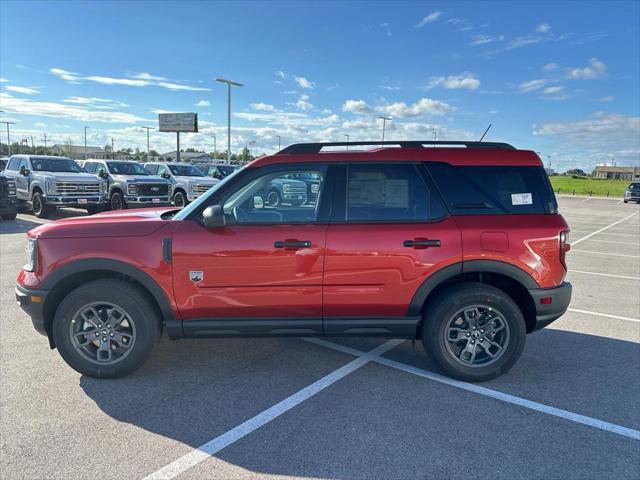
x=347, y=137
x=279, y=141
x=148, y=128
x=384, y=124
x=229, y=84
x=215, y=148
x=85, y=142
x=33, y=147
x=549, y=162
x=435, y=136
x=178, y=147
x=8, y=137
x=46, y=150
x=113, y=152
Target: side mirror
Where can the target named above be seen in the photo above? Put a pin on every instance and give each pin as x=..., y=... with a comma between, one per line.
x=102, y=173
x=213, y=217
x=166, y=176
x=23, y=171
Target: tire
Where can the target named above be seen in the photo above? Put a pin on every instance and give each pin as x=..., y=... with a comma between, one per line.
x=39, y=207
x=8, y=216
x=273, y=198
x=116, y=202
x=626, y=201
x=180, y=199
x=138, y=321
x=453, y=311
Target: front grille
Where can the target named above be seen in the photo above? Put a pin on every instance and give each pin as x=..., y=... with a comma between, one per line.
x=68, y=188
x=294, y=190
x=198, y=189
x=153, y=189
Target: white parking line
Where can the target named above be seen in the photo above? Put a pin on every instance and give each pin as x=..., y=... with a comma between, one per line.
x=606, y=253
x=32, y=219
x=604, y=274
x=205, y=451
x=603, y=229
x=617, y=243
x=606, y=315
x=487, y=392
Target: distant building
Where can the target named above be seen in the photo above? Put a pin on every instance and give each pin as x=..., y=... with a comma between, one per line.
x=79, y=153
x=190, y=157
x=617, y=173
x=550, y=171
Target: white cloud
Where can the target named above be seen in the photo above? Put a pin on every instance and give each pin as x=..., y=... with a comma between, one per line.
x=303, y=103
x=595, y=69
x=460, y=23
x=203, y=103
x=359, y=107
x=264, y=107
x=424, y=106
x=432, y=17
x=608, y=128
x=606, y=99
x=304, y=83
x=148, y=76
x=484, y=39
x=65, y=75
x=40, y=124
x=389, y=88
x=178, y=86
x=103, y=103
x=553, y=90
x=543, y=28
x=532, y=85
x=387, y=28
x=550, y=66
x=466, y=80
x=281, y=74
x=25, y=90
x=3, y=80
x=118, y=81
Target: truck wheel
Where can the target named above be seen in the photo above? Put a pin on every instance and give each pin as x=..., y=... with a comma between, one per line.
x=116, y=201
x=40, y=209
x=474, y=332
x=9, y=216
x=179, y=199
x=273, y=198
x=106, y=328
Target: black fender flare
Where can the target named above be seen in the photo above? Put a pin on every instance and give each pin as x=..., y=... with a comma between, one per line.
x=450, y=271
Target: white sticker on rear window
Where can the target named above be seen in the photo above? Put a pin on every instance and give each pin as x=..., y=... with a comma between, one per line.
x=521, y=199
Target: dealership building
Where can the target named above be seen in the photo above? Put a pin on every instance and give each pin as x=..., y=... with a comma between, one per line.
x=617, y=173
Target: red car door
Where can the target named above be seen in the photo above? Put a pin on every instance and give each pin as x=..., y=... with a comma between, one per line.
x=262, y=272
x=389, y=232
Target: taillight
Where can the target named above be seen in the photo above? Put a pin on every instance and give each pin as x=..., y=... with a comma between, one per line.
x=564, y=246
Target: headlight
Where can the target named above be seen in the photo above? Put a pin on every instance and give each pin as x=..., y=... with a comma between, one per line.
x=132, y=189
x=315, y=188
x=286, y=188
x=11, y=188
x=103, y=187
x=32, y=253
x=52, y=188
x=192, y=188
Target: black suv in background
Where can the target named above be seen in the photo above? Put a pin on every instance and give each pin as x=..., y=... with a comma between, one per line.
x=8, y=199
x=632, y=193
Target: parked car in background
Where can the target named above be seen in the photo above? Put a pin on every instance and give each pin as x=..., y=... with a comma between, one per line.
x=8, y=199
x=3, y=163
x=129, y=184
x=188, y=182
x=632, y=193
x=216, y=171
x=312, y=181
x=48, y=182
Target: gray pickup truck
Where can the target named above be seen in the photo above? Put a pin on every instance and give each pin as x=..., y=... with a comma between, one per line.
x=129, y=185
x=188, y=181
x=48, y=182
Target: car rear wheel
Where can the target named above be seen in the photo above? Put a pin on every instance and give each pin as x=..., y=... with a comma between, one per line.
x=106, y=328
x=40, y=209
x=474, y=332
x=179, y=199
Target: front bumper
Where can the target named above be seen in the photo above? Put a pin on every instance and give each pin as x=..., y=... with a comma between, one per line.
x=139, y=202
x=32, y=302
x=8, y=205
x=634, y=197
x=62, y=201
x=550, y=303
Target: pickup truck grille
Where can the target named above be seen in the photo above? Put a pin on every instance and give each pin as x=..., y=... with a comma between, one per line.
x=199, y=189
x=67, y=188
x=153, y=189
x=294, y=190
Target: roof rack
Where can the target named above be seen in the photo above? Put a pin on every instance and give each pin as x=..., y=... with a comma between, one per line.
x=316, y=147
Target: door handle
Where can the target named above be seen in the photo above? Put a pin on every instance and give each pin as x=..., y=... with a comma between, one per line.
x=292, y=244
x=421, y=243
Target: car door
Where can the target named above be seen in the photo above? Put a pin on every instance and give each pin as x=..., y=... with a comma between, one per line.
x=23, y=182
x=389, y=232
x=262, y=271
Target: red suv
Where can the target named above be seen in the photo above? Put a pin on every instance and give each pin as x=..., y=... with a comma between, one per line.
x=459, y=244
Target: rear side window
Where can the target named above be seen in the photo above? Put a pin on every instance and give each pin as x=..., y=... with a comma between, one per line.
x=390, y=193
x=494, y=189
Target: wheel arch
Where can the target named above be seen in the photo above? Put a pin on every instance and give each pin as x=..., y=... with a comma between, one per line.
x=70, y=276
x=512, y=280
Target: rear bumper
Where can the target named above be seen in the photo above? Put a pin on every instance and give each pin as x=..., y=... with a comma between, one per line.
x=550, y=303
x=25, y=298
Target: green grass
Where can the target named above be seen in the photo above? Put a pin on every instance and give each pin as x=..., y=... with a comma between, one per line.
x=584, y=185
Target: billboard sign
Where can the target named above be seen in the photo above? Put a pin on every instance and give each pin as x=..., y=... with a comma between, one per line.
x=178, y=122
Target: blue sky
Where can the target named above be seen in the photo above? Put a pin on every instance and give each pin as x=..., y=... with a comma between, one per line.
x=559, y=78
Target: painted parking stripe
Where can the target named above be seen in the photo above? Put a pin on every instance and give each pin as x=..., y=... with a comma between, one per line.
x=603, y=229
x=605, y=315
x=604, y=274
x=617, y=243
x=605, y=253
x=205, y=451
x=487, y=392
x=33, y=219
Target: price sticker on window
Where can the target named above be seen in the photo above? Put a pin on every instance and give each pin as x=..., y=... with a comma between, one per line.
x=521, y=199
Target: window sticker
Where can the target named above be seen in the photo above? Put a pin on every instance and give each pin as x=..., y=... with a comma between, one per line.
x=521, y=199
x=397, y=193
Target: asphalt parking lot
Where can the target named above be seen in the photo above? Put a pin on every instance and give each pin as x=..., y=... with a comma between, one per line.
x=335, y=408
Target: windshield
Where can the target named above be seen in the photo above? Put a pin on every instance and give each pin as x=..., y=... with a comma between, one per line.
x=634, y=186
x=55, y=165
x=184, y=213
x=186, y=171
x=126, y=168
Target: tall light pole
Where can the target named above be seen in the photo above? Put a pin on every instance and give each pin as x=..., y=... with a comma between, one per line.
x=44, y=137
x=215, y=148
x=148, y=150
x=8, y=137
x=347, y=137
x=229, y=84
x=279, y=141
x=384, y=124
x=113, y=152
x=85, y=142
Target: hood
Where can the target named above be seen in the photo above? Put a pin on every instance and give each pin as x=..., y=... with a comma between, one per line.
x=70, y=177
x=198, y=180
x=122, y=223
x=141, y=178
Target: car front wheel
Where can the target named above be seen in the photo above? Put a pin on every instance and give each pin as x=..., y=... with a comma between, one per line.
x=116, y=201
x=106, y=328
x=39, y=207
x=179, y=200
x=474, y=332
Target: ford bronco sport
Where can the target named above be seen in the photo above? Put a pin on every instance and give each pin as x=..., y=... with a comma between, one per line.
x=461, y=246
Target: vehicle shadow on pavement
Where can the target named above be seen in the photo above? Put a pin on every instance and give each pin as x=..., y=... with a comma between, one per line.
x=193, y=391
x=16, y=226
